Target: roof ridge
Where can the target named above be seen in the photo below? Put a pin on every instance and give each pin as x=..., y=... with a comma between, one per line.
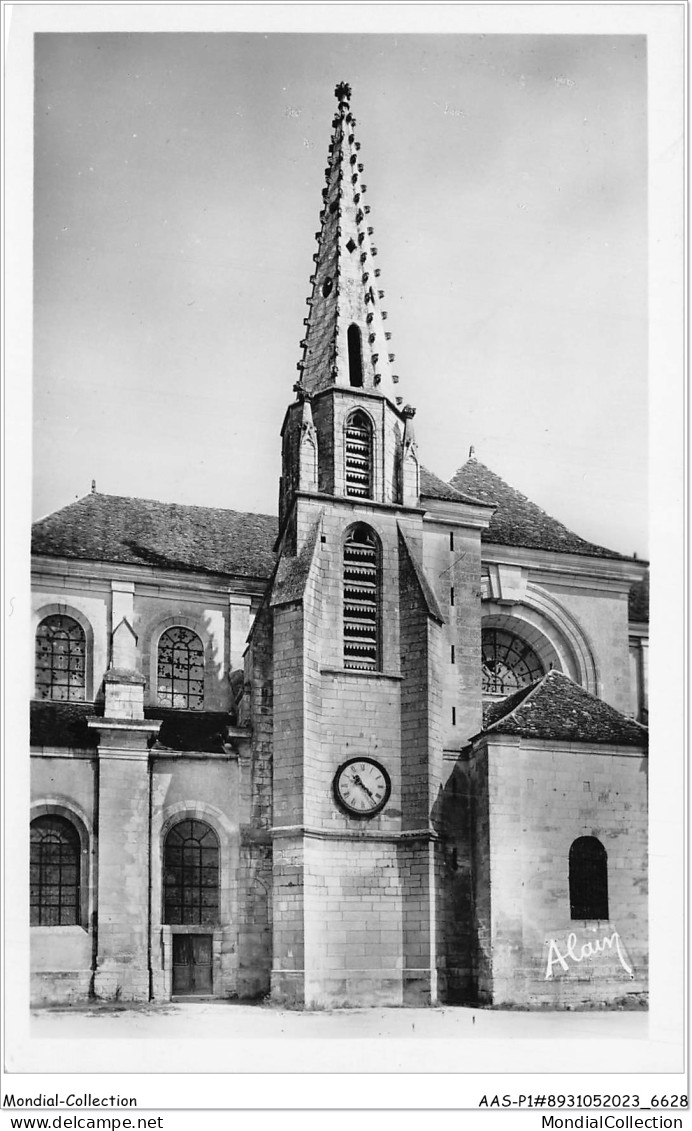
x=521, y=522
x=158, y=502
x=521, y=702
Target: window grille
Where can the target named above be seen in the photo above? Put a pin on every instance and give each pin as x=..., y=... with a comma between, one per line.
x=191, y=874
x=588, y=879
x=508, y=662
x=358, y=449
x=361, y=600
x=60, y=659
x=181, y=670
x=54, y=879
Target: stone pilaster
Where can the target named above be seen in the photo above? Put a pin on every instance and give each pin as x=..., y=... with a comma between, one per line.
x=123, y=960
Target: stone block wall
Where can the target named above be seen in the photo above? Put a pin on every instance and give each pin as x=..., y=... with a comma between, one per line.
x=367, y=917
x=541, y=797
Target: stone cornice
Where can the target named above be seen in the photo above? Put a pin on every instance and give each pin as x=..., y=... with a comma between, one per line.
x=555, y=746
x=279, y=831
x=545, y=565
x=149, y=579
x=449, y=512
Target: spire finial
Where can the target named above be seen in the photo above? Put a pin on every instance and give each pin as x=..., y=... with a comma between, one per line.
x=342, y=91
x=472, y=452
x=93, y=486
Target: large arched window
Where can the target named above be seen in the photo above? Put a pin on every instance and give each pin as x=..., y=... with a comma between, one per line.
x=191, y=874
x=60, y=659
x=508, y=662
x=362, y=599
x=588, y=879
x=55, y=872
x=180, y=670
x=355, y=356
x=358, y=455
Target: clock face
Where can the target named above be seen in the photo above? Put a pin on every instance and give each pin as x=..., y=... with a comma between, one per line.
x=362, y=787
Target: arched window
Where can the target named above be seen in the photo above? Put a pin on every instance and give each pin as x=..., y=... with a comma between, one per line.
x=355, y=356
x=588, y=879
x=191, y=874
x=60, y=659
x=362, y=599
x=55, y=868
x=180, y=672
x=508, y=662
x=358, y=455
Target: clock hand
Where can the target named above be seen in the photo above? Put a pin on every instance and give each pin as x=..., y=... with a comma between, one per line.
x=359, y=781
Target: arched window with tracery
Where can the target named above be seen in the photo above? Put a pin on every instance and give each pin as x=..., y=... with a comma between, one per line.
x=588, y=879
x=508, y=662
x=180, y=670
x=358, y=455
x=54, y=872
x=60, y=659
x=355, y=356
x=191, y=874
x=362, y=599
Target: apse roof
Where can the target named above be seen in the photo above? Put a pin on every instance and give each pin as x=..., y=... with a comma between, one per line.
x=517, y=521
x=115, y=528
x=554, y=707
x=432, y=487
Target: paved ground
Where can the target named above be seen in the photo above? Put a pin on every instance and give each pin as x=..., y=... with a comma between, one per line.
x=230, y=1020
x=213, y=1035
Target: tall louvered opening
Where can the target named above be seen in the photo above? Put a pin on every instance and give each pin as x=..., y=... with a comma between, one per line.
x=358, y=448
x=361, y=600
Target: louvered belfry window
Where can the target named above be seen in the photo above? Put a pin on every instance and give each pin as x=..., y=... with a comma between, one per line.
x=358, y=446
x=361, y=599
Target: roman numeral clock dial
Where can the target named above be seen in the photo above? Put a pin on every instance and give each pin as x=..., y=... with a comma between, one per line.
x=362, y=787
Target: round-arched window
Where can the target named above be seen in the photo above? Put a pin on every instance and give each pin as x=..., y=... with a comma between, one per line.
x=180, y=672
x=191, y=874
x=60, y=659
x=55, y=872
x=508, y=662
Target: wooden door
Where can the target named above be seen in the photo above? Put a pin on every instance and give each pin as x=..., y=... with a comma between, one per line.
x=192, y=964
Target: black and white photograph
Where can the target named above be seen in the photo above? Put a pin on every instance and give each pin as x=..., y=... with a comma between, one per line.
x=345, y=451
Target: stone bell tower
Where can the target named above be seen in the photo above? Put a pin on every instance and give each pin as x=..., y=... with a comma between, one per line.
x=357, y=643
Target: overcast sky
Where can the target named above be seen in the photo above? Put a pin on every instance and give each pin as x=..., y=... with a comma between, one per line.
x=177, y=189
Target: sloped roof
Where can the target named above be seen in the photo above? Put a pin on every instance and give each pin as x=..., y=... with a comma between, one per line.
x=65, y=725
x=554, y=707
x=517, y=521
x=431, y=487
x=115, y=528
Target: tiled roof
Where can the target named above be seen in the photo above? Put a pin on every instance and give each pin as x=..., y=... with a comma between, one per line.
x=517, y=521
x=114, y=528
x=433, y=488
x=639, y=601
x=554, y=707
x=64, y=725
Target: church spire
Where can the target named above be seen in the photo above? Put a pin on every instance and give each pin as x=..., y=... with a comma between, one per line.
x=346, y=343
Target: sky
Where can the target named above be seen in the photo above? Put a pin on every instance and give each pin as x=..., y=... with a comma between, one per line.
x=177, y=190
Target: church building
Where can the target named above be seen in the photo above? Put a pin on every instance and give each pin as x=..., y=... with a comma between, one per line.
x=387, y=748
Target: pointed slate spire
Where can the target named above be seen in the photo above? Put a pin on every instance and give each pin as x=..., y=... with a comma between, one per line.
x=345, y=341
